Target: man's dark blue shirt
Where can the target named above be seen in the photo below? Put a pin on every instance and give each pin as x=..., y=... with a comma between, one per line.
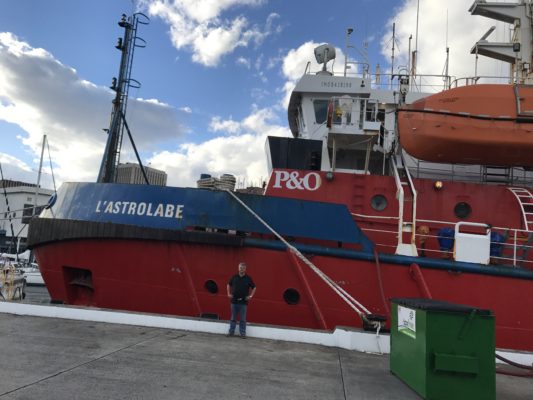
x=240, y=286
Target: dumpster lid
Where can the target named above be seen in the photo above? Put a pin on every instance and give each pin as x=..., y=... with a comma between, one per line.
x=437, y=305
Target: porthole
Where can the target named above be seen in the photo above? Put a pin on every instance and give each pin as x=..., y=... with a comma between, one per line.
x=211, y=286
x=462, y=210
x=291, y=296
x=379, y=202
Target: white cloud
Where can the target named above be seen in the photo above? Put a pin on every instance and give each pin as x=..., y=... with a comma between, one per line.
x=230, y=126
x=294, y=64
x=197, y=25
x=241, y=150
x=240, y=153
x=6, y=159
x=186, y=109
x=463, y=32
x=199, y=10
x=245, y=62
x=259, y=94
x=41, y=95
x=17, y=170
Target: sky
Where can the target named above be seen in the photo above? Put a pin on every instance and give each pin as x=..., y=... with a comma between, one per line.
x=215, y=75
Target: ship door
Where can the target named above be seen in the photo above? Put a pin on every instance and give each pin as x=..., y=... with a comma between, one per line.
x=79, y=286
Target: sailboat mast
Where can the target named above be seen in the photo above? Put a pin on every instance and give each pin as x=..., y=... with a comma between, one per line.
x=392, y=57
x=38, y=177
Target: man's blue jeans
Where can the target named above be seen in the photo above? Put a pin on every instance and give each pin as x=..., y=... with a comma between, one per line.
x=238, y=309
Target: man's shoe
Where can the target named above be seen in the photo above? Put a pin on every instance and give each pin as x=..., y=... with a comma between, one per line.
x=230, y=334
x=243, y=336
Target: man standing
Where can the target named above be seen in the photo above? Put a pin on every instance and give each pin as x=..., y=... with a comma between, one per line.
x=238, y=289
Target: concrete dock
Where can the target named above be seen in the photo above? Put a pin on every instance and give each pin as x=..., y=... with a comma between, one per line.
x=49, y=358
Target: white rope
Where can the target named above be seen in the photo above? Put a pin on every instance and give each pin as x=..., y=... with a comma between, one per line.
x=354, y=304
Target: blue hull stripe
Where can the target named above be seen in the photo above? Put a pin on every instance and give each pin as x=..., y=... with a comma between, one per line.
x=433, y=263
x=182, y=208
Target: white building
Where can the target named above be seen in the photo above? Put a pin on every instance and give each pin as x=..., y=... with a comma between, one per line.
x=131, y=173
x=21, y=200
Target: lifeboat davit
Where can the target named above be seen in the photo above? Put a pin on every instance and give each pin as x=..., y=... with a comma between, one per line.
x=479, y=124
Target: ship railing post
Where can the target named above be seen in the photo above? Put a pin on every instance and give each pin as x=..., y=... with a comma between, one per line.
x=399, y=196
x=415, y=195
x=514, y=247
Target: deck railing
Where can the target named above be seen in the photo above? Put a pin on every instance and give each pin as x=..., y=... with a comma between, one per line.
x=514, y=250
x=466, y=173
x=422, y=83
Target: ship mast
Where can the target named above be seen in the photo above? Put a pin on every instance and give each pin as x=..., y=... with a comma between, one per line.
x=121, y=86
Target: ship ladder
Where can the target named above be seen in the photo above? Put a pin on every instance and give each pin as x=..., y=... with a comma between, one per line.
x=360, y=309
x=525, y=199
x=405, y=224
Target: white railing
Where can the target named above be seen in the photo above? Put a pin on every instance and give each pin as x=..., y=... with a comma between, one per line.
x=417, y=83
x=463, y=172
x=400, y=197
x=474, y=80
x=511, y=236
x=405, y=248
x=415, y=195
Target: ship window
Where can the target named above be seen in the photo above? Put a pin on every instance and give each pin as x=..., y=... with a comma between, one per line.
x=301, y=120
x=370, y=111
x=321, y=110
x=291, y=296
x=27, y=213
x=211, y=286
x=462, y=210
x=379, y=202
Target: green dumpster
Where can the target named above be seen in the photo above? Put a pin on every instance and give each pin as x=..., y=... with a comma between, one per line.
x=443, y=350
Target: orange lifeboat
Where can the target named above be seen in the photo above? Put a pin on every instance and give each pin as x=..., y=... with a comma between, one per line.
x=478, y=124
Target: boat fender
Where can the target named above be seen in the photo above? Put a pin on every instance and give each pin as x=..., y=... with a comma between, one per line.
x=51, y=201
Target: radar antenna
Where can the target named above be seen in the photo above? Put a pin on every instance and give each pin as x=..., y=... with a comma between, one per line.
x=323, y=54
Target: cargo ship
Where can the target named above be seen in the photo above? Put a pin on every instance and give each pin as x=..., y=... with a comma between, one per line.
x=379, y=194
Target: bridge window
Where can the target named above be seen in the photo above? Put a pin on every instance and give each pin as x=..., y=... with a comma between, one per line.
x=321, y=110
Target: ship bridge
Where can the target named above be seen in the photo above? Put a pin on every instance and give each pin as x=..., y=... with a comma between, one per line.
x=351, y=116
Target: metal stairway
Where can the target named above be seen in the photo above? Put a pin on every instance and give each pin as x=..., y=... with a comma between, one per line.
x=525, y=199
x=406, y=215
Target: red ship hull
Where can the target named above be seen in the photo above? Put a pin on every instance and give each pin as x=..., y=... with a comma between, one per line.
x=170, y=278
